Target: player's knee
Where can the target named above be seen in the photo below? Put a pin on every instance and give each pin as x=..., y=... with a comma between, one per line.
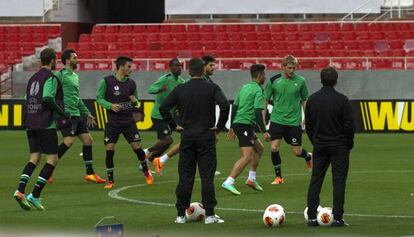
x=246, y=158
x=88, y=141
x=297, y=151
x=110, y=147
x=69, y=141
x=34, y=160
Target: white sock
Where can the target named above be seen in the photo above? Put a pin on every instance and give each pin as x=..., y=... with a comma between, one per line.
x=252, y=175
x=164, y=158
x=229, y=181
x=148, y=163
x=146, y=151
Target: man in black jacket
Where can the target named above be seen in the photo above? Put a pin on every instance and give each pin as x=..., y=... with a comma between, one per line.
x=196, y=102
x=330, y=128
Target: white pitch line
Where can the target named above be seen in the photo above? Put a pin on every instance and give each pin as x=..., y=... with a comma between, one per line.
x=115, y=195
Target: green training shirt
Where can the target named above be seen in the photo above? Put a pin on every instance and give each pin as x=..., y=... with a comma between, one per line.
x=49, y=90
x=71, y=95
x=287, y=96
x=171, y=82
x=249, y=98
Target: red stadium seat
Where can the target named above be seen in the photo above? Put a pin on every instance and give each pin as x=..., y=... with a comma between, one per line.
x=374, y=27
x=138, y=29
x=165, y=37
x=305, y=27
x=276, y=28
x=318, y=27
x=279, y=36
x=208, y=37
x=111, y=29
x=252, y=36
x=236, y=36
x=207, y=28
x=290, y=27
x=247, y=28
x=263, y=28
x=152, y=29
x=139, y=37
x=98, y=29
x=178, y=28
x=335, y=27
x=361, y=27
x=222, y=36
x=193, y=28
x=28, y=48
x=125, y=37
x=194, y=36
x=233, y=28
x=221, y=28
x=125, y=29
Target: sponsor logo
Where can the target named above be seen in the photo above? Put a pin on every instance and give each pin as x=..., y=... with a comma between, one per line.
x=117, y=92
x=387, y=115
x=34, y=89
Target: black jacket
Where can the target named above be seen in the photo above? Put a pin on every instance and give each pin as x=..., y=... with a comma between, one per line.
x=329, y=119
x=196, y=103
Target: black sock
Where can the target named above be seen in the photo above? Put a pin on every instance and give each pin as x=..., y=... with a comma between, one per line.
x=304, y=154
x=44, y=175
x=87, y=158
x=24, y=178
x=141, y=157
x=62, y=149
x=109, y=161
x=277, y=163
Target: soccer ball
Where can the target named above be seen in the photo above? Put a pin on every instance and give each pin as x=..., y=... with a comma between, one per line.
x=195, y=212
x=305, y=212
x=274, y=215
x=325, y=217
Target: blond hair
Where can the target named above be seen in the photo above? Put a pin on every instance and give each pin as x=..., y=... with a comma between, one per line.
x=290, y=59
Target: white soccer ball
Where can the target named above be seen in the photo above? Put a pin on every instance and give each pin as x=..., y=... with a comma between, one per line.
x=195, y=212
x=274, y=215
x=325, y=216
x=305, y=212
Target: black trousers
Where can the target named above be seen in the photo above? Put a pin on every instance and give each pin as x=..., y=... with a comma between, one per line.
x=203, y=154
x=338, y=157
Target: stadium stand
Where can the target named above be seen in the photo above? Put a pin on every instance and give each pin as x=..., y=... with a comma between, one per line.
x=23, y=42
x=17, y=41
x=354, y=46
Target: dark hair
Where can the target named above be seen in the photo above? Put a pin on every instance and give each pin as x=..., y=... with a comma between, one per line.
x=208, y=59
x=174, y=61
x=256, y=70
x=196, y=67
x=66, y=55
x=121, y=61
x=47, y=55
x=329, y=76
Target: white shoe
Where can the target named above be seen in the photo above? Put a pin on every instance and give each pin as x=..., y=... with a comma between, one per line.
x=213, y=220
x=217, y=173
x=180, y=220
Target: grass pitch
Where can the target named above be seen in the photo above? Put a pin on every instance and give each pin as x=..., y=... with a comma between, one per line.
x=379, y=200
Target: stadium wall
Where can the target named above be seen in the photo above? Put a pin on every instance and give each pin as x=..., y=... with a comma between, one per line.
x=357, y=85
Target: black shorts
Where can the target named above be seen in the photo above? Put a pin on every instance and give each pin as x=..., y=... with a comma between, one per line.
x=75, y=126
x=43, y=141
x=130, y=133
x=162, y=128
x=245, y=134
x=291, y=134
